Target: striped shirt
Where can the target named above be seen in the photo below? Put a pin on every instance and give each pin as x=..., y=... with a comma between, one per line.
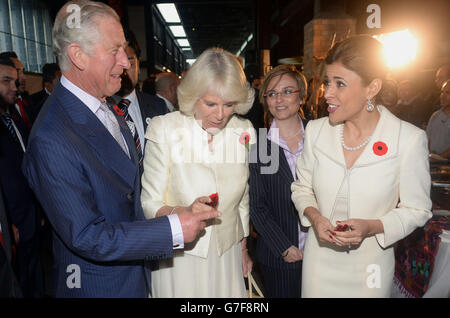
x=292, y=161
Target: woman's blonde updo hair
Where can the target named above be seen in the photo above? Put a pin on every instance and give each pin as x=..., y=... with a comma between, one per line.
x=216, y=71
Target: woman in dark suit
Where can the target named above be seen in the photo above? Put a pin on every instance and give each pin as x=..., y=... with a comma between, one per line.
x=280, y=244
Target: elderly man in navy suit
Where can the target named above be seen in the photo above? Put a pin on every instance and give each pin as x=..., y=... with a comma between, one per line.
x=81, y=162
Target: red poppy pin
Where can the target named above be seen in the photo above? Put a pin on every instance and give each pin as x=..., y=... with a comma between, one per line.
x=118, y=110
x=380, y=148
x=214, y=200
x=244, y=139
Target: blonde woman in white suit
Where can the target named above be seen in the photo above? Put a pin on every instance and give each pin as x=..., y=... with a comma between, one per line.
x=361, y=168
x=195, y=152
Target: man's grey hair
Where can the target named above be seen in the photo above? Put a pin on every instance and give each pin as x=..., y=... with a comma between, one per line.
x=77, y=22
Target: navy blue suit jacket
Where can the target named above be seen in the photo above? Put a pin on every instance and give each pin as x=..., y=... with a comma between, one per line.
x=20, y=202
x=272, y=211
x=90, y=190
x=151, y=106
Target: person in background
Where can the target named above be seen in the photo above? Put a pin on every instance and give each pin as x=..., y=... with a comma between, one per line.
x=50, y=76
x=82, y=164
x=166, y=89
x=256, y=113
x=21, y=205
x=138, y=107
x=196, y=152
x=431, y=96
x=410, y=106
x=388, y=96
x=23, y=103
x=438, y=129
x=148, y=85
x=363, y=179
x=279, y=248
x=442, y=75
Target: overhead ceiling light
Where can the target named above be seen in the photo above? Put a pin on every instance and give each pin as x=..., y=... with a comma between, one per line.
x=169, y=12
x=183, y=42
x=250, y=37
x=191, y=61
x=177, y=31
x=186, y=49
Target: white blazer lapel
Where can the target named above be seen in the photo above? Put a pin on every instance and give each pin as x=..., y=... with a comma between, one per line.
x=329, y=144
x=384, y=142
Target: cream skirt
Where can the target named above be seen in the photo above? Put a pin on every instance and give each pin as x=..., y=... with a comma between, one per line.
x=187, y=276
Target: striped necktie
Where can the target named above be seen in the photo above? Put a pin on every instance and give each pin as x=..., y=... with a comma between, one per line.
x=123, y=105
x=9, y=124
x=110, y=121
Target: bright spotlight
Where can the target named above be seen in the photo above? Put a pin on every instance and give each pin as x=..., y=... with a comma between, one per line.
x=400, y=47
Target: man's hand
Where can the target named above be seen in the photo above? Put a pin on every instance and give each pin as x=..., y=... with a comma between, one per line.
x=193, y=223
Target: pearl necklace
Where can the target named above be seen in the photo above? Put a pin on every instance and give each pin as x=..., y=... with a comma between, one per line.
x=365, y=142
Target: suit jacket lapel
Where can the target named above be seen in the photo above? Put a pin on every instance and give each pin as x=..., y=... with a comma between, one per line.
x=283, y=167
x=92, y=130
x=20, y=125
x=143, y=108
x=285, y=170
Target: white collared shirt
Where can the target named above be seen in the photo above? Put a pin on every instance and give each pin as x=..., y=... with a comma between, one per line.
x=90, y=101
x=168, y=103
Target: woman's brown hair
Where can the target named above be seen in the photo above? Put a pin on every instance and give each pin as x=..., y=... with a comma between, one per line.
x=363, y=55
x=284, y=69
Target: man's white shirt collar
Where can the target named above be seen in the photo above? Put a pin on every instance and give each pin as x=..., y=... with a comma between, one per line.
x=132, y=97
x=90, y=101
x=168, y=103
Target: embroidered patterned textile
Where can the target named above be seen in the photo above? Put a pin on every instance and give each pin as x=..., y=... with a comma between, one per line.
x=414, y=257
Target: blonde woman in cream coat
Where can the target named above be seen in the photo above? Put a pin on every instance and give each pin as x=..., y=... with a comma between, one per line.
x=361, y=167
x=191, y=154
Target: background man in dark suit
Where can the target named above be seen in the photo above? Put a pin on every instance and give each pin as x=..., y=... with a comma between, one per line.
x=81, y=161
x=50, y=76
x=21, y=205
x=141, y=107
x=166, y=84
x=23, y=103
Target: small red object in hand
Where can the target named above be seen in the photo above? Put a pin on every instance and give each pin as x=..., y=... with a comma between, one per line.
x=214, y=200
x=342, y=228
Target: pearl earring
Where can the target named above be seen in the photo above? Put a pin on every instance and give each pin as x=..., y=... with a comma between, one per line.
x=370, y=107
